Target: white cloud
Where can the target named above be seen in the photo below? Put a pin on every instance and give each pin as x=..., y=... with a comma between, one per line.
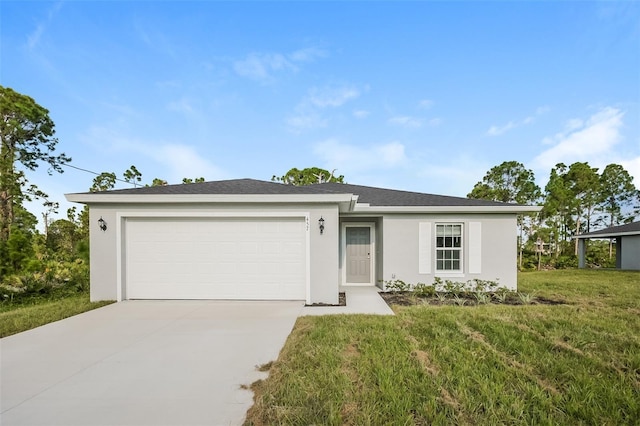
x=182, y=105
x=543, y=110
x=496, y=130
x=591, y=141
x=453, y=176
x=309, y=54
x=261, y=66
x=184, y=161
x=499, y=130
x=352, y=159
x=33, y=39
x=425, y=103
x=413, y=122
x=361, y=113
x=304, y=120
x=174, y=160
x=308, y=113
x=406, y=121
x=331, y=96
x=633, y=167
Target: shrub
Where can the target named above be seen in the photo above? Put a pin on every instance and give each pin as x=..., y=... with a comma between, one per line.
x=526, y=298
x=566, y=261
x=396, y=286
x=423, y=290
x=482, y=298
x=54, y=277
x=459, y=300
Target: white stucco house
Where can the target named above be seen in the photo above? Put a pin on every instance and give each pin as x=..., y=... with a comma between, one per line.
x=250, y=239
x=627, y=239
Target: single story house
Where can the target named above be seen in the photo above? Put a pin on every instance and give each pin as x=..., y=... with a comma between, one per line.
x=251, y=239
x=627, y=245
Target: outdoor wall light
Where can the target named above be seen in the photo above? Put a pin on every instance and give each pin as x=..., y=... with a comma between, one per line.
x=102, y=224
x=321, y=223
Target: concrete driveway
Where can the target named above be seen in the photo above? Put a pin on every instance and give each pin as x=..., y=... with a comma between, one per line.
x=143, y=363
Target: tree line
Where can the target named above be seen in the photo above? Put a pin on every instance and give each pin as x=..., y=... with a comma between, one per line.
x=577, y=199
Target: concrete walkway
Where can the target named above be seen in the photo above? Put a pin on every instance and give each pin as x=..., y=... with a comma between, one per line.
x=360, y=300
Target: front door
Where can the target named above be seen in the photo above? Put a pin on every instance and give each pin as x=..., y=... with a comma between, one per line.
x=358, y=255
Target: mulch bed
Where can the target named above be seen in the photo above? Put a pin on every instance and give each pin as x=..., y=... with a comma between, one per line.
x=342, y=301
x=407, y=299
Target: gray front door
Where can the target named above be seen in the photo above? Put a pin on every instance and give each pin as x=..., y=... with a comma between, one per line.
x=358, y=259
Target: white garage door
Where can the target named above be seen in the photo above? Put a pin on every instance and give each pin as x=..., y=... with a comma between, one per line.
x=216, y=258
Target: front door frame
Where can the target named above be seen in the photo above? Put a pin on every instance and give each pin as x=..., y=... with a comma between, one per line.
x=372, y=256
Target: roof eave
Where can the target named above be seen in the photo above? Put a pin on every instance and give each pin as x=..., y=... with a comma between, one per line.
x=608, y=235
x=102, y=198
x=366, y=208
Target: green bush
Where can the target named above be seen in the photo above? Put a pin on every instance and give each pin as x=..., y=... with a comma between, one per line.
x=396, y=286
x=53, y=277
x=424, y=290
x=566, y=261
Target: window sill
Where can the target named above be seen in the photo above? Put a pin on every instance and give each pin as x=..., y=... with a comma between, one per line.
x=449, y=274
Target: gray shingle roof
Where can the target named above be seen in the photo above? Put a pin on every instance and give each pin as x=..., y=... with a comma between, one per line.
x=234, y=186
x=366, y=194
x=392, y=197
x=633, y=228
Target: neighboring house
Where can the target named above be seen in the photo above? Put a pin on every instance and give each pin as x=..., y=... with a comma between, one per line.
x=249, y=239
x=627, y=245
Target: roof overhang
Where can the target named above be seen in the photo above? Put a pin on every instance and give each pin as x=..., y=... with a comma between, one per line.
x=607, y=235
x=344, y=201
x=347, y=203
x=105, y=198
x=366, y=208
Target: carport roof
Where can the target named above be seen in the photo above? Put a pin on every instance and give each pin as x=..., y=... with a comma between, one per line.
x=255, y=190
x=615, y=231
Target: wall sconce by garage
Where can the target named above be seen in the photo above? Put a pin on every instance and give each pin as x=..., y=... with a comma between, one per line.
x=321, y=224
x=102, y=224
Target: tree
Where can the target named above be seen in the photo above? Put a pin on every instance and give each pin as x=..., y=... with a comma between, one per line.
x=26, y=139
x=196, y=180
x=103, y=182
x=571, y=198
x=307, y=176
x=557, y=206
x=132, y=175
x=18, y=249
x=510, y=182
x=159, y=182
x=584, y=186
x=617, y=192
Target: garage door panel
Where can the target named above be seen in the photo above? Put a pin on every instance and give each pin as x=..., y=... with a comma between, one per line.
x=199, y=258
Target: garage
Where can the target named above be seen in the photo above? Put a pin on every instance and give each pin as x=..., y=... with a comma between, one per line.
x=215, y=258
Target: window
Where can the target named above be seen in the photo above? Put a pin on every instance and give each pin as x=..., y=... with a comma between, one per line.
x=449, y=247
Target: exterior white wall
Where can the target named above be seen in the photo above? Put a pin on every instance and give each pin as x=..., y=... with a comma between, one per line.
x=498, y=248
x=108, y=260
x=630, y=245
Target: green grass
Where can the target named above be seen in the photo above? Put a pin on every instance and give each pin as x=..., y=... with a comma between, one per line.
x=25, y=315
x=577, y=363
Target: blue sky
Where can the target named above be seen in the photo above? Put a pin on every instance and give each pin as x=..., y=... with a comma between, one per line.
x=422, y=96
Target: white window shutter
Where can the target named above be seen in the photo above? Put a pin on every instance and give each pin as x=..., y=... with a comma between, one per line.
x=475, y=247
x=424, y=248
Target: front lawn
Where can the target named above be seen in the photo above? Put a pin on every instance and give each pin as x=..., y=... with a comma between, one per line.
x=18, y=317
x=577, y=363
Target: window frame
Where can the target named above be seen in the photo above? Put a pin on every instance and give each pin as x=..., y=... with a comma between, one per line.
x=439, y=249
